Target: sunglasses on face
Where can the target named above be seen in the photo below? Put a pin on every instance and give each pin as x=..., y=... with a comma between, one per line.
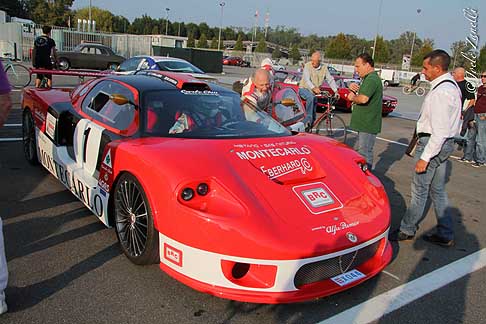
x=483, y=76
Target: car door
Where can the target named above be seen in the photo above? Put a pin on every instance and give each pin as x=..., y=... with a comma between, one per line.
x=86, y=58
x=108, y=121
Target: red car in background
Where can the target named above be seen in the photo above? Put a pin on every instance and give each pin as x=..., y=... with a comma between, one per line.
x=389, y=102
x=232, y=60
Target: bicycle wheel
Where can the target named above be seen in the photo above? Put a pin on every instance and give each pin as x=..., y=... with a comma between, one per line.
x=18, y=75
x=406, y=90
x=332, y=126
x=420, y=91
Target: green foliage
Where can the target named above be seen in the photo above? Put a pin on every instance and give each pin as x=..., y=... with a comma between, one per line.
x=276, y=54
x=262, y=46
x=15, y=8
x=202, y=42
x=190, y=41
x=239, y=43
x=382, y=52
x=294, y=53
x=338, y=47
x=214, y=43
x=457, y=58
x=426, y=48
x=120, y=24
x=481, y=63
x=103, y=18
x=53, y=13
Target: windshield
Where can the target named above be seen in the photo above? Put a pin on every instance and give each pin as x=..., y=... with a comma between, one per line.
x=205, y=114
x=178, y=66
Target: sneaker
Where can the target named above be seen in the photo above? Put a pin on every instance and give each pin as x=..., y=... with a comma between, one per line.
x=477, y=165
x=436, y=239
x=400, y=236
x=463, y=160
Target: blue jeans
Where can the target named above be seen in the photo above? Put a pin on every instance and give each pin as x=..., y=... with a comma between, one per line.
x=470, y=150
x=480, y=138
x=366, y=142
x=430, y=182
x=310, y=105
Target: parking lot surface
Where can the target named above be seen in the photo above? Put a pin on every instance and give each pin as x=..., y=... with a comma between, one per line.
x=66, y=267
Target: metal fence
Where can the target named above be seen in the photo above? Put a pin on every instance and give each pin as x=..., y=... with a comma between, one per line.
x=18, y=39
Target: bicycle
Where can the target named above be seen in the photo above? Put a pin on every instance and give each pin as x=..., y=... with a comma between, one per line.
x=328, y=123
x=18, y=75
x=418, y=89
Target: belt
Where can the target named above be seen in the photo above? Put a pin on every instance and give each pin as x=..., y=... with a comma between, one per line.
x=420, y=135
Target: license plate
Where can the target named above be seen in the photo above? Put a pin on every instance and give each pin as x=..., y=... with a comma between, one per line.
x=348, y=277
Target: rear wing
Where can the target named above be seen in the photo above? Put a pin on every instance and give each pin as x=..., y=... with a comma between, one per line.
x=79, y=73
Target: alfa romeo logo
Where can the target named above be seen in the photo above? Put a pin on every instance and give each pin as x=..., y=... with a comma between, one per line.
x=351, y=237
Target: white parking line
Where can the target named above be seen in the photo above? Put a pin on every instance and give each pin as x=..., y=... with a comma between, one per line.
x=11, y=139
x=12, y=125
x=396, y=298
x=391, y=275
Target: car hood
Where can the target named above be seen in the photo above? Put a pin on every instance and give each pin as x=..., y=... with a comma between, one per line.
x=391, y=98
x=303, y=183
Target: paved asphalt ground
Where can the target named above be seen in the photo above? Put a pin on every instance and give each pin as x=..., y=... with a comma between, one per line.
x=66, y=267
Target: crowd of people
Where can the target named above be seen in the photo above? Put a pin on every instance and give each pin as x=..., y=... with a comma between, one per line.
x=450, y=104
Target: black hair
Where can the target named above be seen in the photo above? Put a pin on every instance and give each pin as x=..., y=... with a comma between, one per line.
x=46, y=29
x=439, y=57
x=366, y=58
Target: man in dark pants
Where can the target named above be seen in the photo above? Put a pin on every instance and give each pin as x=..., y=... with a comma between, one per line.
x=438, y=124
x=367, y=106
x=44, y=47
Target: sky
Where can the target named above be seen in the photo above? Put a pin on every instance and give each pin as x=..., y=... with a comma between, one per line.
x=441, y=20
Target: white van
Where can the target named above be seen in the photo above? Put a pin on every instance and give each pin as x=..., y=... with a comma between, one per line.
x=390, y=77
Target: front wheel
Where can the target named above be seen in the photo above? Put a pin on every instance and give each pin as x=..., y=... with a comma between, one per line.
x=406, y=90
x=18, y=75
x=332, y=126
x=134, y=223
x=28, y=138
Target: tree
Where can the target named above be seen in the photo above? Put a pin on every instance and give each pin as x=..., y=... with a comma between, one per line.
x=239, y=43
x=276, y=53
x=382, y=53
x=54, y=13
x=103, y=18
x=481, y=64
x=338, y=47
x=426, y=48
x=15, y=8
x=403, y=45
x=294, y=53
x=120, y=24
x=262, y=46
x=203, y=41
x=457, y=58
x=214, y=43
x=190, y=41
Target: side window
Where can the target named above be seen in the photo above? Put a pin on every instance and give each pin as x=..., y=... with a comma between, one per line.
x=130, y=64
x=85, y=50
x=99, y=105
x=144, y=65
x=103, y=51
x=97, y=50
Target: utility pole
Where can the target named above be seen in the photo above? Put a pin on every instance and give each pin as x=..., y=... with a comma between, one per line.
x=377, y=29
x=167, y=21
x=221, y=4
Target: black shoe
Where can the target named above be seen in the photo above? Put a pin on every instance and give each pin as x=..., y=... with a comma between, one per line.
x=400, y=236
x=436, y=239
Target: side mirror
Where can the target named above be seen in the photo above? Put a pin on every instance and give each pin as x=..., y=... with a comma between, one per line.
x=287, y=102
x=119, y=99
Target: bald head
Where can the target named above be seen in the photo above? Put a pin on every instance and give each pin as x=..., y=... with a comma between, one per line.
x=261, y=79
x=459, y=73
x=316, y=59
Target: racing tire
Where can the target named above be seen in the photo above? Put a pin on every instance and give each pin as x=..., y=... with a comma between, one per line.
x=18, y=75
x=420, y=91
x=64, y=64
x=28, y=138
x=332, y=126
x=134, y=223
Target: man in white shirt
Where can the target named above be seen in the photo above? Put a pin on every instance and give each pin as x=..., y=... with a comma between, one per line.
x=315, y=73
x=439, y=122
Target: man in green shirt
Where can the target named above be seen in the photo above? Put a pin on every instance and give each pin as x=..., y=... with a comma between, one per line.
x=367, y=106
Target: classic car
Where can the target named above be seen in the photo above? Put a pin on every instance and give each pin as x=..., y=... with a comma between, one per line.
x=89, y=56
x=162, y=63
x=226, y=200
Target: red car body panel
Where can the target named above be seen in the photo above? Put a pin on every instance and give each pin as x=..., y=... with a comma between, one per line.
x=275, y=204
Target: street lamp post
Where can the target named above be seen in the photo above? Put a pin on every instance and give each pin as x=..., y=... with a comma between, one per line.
x=221, y=4
x=413, y=43
x=377, y=29
x=167, y=21
x=89, y=16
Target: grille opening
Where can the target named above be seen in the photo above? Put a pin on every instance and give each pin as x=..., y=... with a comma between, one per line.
x=325, y=269
x=240, y=270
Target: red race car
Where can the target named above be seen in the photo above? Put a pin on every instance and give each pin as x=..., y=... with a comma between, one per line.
x=389, y=102
x=223, y=197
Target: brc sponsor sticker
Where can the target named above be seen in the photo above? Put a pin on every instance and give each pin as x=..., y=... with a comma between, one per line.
x=173, y=255
x=348, y=277
x=51, y=123
x=317, y=197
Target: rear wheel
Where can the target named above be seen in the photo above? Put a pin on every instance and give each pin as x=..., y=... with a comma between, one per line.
x=28, y=138
x=18, y=75
x=420, y=91
x=134, y=222
x=64, y=64
x=332, y=126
